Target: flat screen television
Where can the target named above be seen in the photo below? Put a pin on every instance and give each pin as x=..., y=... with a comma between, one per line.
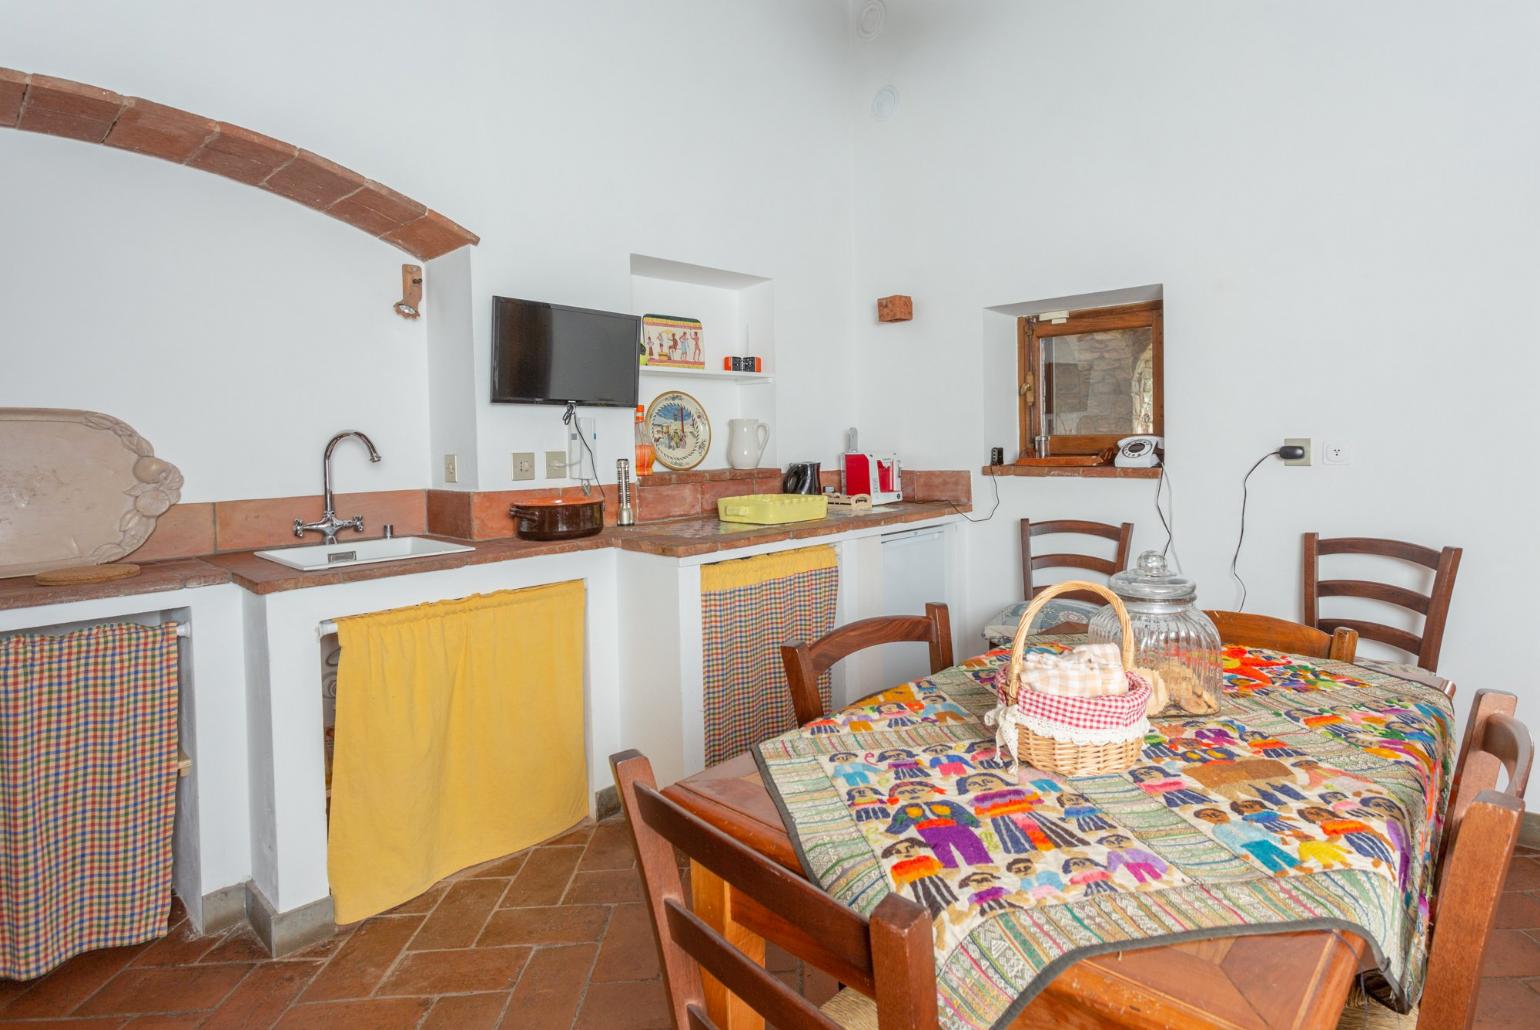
x=554, y=354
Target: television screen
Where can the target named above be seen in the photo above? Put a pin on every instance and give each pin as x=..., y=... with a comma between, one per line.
x=554, y=354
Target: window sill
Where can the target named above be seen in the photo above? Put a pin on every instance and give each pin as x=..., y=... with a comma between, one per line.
x=1082, y=471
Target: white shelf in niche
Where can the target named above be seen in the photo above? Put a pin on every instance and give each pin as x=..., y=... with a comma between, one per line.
x=706, y=373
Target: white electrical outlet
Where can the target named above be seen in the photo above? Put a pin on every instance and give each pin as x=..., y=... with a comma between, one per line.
x=577, y=455
x=1336, y=454
x=451, y=468
x=1299, y=441
x=555, y=464
x=523, y=465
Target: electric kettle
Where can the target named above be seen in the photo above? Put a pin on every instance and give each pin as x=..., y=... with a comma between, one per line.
x=802, y=478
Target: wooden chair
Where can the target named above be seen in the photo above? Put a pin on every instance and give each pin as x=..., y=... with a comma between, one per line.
x=887, y=958
x=1282, y=635
x=1481, y=829
x=1434, y=607
x=806, y=663
x=1121, y=535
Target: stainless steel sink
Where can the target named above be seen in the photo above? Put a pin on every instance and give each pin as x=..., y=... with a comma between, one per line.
x=362, y=552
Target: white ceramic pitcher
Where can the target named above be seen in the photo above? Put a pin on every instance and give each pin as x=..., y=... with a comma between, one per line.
x=746, y=441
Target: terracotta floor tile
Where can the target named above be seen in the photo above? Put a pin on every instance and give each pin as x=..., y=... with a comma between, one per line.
x=551, y=988
x=178, y=989
x=1523, y=875
x=424, y=902
x=162, y=1021
x=98, y=1023
x=502, y=869
x=181, y=945
x=610, y=847
x=323, y=950
x=373, y=1014
x=240, y=945
x=261, y=997
x=576, y=836
x=637, y=1005
x=1511, y=953
x=460, y=915
x=465, y=971
x=470, y=1012
x=1503, y=1003
x=562, y=924
x=543, y=880
x=58, y=992
x=603, y=887
x=359, y=966
x=629, y=950
x=1518, y=911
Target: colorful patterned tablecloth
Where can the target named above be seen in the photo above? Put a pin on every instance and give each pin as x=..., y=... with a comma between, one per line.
x=1312, y=800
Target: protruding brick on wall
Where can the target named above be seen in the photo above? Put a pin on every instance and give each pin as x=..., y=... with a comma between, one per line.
x=59, y=107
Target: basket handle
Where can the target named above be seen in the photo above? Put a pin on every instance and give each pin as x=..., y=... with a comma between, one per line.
x=1018, y=642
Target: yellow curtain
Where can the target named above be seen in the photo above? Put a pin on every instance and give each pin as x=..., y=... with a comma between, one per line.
x=747, y=572
x=459, y=738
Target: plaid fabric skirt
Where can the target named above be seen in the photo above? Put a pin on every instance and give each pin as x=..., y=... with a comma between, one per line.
x=749, y=608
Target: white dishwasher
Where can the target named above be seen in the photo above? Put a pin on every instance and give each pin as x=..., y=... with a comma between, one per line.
x=914, y=571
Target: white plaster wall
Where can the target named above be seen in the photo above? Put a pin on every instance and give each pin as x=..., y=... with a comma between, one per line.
x=1339, y=202
x=238, y=330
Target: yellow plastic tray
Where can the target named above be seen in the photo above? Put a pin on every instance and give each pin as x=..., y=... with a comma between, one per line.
x=773, y=509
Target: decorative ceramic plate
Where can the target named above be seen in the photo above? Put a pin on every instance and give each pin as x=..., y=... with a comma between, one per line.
x=76, y=488
x=680, y=430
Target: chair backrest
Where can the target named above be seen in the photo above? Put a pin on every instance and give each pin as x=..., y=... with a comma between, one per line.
x=1282, y=635
x=1433, y=607
x=1480, y=831
x=1121, y=535
x=888, y=958
x=806, y=663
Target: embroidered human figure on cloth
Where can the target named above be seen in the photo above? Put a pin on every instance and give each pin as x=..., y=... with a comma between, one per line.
x=1248, y=838
x=1123, y=853
x=944, y=825
x=919, y=871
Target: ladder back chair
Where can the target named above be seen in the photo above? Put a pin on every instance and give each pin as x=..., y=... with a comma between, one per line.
x=1121, y=536
x=806, y=663
x=1481, y=828
x=886, y=961
x=1433, y=606
x=1282, y=635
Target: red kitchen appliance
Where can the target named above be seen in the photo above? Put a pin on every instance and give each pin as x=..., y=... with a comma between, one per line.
x=879, y=475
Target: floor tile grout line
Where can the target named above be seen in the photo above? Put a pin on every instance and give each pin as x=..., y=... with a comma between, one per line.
x=588, y=977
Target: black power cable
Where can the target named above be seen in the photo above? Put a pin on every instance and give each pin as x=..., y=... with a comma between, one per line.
x=1289, y=452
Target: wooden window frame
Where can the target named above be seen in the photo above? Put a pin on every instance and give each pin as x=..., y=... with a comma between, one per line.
x=1031, y=331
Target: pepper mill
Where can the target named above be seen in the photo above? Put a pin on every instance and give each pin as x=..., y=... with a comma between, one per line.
x=626, y=517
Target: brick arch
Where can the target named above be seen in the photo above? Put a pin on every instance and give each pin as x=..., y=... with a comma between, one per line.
x=59, y=107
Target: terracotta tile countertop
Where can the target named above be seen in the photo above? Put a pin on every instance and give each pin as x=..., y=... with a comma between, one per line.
x=672, y=538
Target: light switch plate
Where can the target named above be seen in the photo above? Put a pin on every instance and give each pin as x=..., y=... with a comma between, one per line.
x=451, y=468
x=523, y=465
x=555, y=464
x=1299, y=441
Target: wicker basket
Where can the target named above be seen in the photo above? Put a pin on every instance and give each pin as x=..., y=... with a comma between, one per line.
x=1068, y=757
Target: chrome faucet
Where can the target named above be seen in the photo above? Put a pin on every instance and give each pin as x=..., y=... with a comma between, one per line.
x=329, y=523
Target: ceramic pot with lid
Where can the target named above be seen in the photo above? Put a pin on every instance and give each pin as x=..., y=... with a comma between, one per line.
x=1172, y=636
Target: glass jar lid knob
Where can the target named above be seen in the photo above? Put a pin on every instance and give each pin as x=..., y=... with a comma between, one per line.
x=1151, y=580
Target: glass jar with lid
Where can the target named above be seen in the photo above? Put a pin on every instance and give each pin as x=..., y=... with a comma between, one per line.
x=1173, y=638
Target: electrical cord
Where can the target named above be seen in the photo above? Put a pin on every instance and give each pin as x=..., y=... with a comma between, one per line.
x=1294, y=452
x=993, y=481
x=567, y=419
x=1168, y=516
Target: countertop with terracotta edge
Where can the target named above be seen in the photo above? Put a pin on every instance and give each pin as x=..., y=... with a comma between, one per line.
x=671, y=538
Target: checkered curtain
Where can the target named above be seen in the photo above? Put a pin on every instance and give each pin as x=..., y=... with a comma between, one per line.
x=88, y=736
x=749, y=608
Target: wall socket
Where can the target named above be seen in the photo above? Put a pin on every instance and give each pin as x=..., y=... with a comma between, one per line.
x=1299, y=441
x=451, y=468
x=1335, y=454
x=523, y=465
x=555, y=464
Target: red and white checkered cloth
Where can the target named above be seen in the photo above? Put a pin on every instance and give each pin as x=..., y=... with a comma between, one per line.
x=1111, y=712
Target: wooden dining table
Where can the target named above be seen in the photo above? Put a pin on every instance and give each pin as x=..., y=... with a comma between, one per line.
x=1295, y=979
